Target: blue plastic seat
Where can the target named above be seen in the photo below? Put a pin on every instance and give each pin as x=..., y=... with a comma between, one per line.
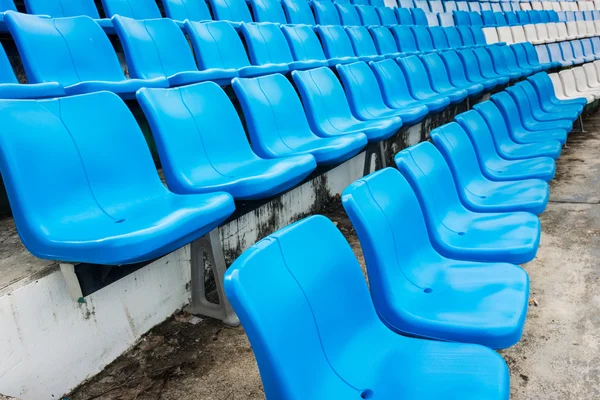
x=10, y=88
x=423, y=38
x=439, y=38
x=479, y=37
x=365, y=98
x=514, y=119
x=537, y=118
x=588, y=49
x=552, y=16
x=386, y=15
x=328, y=111
x=473, y=70
x=337, y=45
x=278, y=127
x=500, y=56
x=384, y=41
x=506, y=147
x=157, y=48
x=500, y=19
x=456, y=73
x=419, y=84
x=543, y=85
x=235, y=11
x=268, y=46
x=325, y=13
x=476, y=19
x=66, y=8
x=457, y=232
x=267, y=11
x=394, y=87
x=404, y=16
x=218, y=46
x=419, y=17
x=181, y=10
x=492, y=165
x=567, y=53
x=6, y=5
x=95, y=213
x=319, y=333
x=440, y=80
x=298, y=12
x=466, y=36
x=368, y=15
x=192, y=125
x=488, y=18
x=535, y=17
x=304, y=43
x=486, y=66
x=58, y=50
x=511, y=18
x=522, y=59
x=375, y=3
x=136, y=9
x=554, y=113
x=532, y=56
x=405, y=40
x=477, y=192
x=362, y=43
x=348, y=14
x=579, y=53
x=453, y=37
x=461, y=18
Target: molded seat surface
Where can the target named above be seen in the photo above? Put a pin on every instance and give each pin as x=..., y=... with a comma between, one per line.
x=419, y=292
x=537, y=119
x=457, y=232
x=477, y=192
x=328, y=111
x=418, y=81
x=278, y=127
x=440, y=79
x=95, y=213
x=339, y=341
x=192, y=125
x=545, y=89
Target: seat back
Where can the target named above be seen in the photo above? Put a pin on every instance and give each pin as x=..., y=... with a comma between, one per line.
x=304, y=43
x=463, y=6
x=386, y=15
x=368, y=15
x=335, y=40
x=577, y=48
x=477, y=33
x=136, y=9
x=466, y=35
x=406, y=4
x=216, y=45
x=325, y=13
x=7, y=5
x=552, y=30
x=452, y=37
x=190, y=144
x=436, y=6
x=523, y=17
x=450, y=6
x=273, y=112
x=423, y=38
x=348, y=14
x=567, y=51
x=416, y=75
x=58, y=50
x=475, y=128
x=554, y=52
x=476, y=19
x=7, y=74
x=505, y=34
x=267, y=11
x=455, y=68
x=360, y=85
x=518, y=34
x=61, y=8
x=392, y=83
x=422, y=4
x=461, y=18
x=405, y=40
x=154, y=48
x=266, y=44
x=446, y=19
x=543, y=54
x=506, y=6
x=473, y=6
x=419, y=17
x=469, y=61
x=302, y=350
x=511, y=18
x=439, y=38
x=362, y=42
x=488, y=18
x=383, y=39
x=496, y=7
x=436, y=70
x=491, y=35
x=298, y=12
x=494, y=119
x=530, y=31
x=485, y=61
x=230, y=10
x=485, y=6
x=561, y=28
x=404, y=16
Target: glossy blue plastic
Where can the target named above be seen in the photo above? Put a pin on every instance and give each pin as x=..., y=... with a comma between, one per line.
x=418, y=81
x=479, y=37
x=386, y=15
x=384, y=41
x=328, y=111
x=566, y=49
x=348, y=14
x=500, y=56
x=325, y=13
x=550, y=112
x=66, y=8
x=304, y=44
x=267, y=46
x=423, y=38
x=405, y=40
x=524, y=18
x=365, y=98
x=476, y=19
x=473, y=70
x=404, y=16
x=10, y=88
x=439, y=78
x=336, y=44
x=461, y=18
x=192, y=125
x=111, y=207
x=521, y=133
x=368, y=15
x=477, y=192
x=578, y=52
x=136, y=9
x=456, y=73
x=181, y=10
x=487, y=67
x=267, y=11
x=453, y=37
x=394, y=88
x=218, y=47
x=230, y=10
x=507, y=148
x=318, y=324
x=535, y=17
x=543, y=85
x=278, y=127
x=488, y=17
x=298, y=12
x=439, y=38
x=522, y=59
x=157, y=48
x=534, y=118
x=511, y=18
x=457, y=232
x=419, y=17
x=532, y=56
x=362, y=43
x=556, y=55
x=58, y=50
x=492, y=165
x=500, y=19
x=466, y=36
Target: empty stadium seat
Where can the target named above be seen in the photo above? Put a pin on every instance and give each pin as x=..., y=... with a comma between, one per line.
x=475, y=191
x=405, y=40
x=419, y=84
x=404, y=16
x=181, y=10
x=136, y=9
x=457, y=232
x=386, y=15
x=278, y=127
x=440, y=79
x=543, y=85
x=337, y=44
x=325, y=13
x=348, y=14
x=365, y=98
x=538, y=118
x=423, y=38
x=362, y=43
x=461, y=18
x=298, y=12
x=319, y=332
x=440, y=42
x=66, y=8
x=492, y=165
x=192, y=125
x=384, y=203
x=304, y=44
x=58, y=50
x=267, y=11
x=456, y=74
x=235, y=11
x=328, y=111
x=486, y=67
x=368, y=15
x=419, y=17
x=157, y=48
x=384, y=41
x=549, y=112
x=95, y=213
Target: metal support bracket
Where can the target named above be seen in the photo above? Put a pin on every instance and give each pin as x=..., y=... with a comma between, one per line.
x=208, y=249
x=580, y=128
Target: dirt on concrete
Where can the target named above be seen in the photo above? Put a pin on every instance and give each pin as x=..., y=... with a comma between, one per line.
x=558, y=357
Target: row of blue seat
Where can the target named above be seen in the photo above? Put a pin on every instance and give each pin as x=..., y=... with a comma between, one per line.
x=569, y=53
x=158, y=54
x=440, y=237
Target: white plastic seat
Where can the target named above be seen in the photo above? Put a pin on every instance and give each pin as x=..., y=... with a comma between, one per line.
x=485, y=6
x=581, y=82
x=582, y=28
x=597, y=4
x=518, y=34
x=450, y=6
x=525, y=6
x=591, y=75
x=559, y=90
x=547, y=5
x=573, y=31
x=563, y=32
x=531, y=34
x=537, y=5
x=436, y=6
x=496, y=7
x=573, y=6
x=556, y=6
x=584, y=5
x=553, y=35
x=596, y=65
x=432, y=19
x=569, y=84
x=491, y=35
x=542, y=33
x=564, y=6
x=505, y=35
x=591, y=28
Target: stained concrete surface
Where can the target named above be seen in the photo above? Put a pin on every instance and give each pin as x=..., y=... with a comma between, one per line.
x=558, y=357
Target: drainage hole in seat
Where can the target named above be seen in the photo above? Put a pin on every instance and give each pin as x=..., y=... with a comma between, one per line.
x=119, y=221
x=428, y=290
x=461, y=233
x=366, y=394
